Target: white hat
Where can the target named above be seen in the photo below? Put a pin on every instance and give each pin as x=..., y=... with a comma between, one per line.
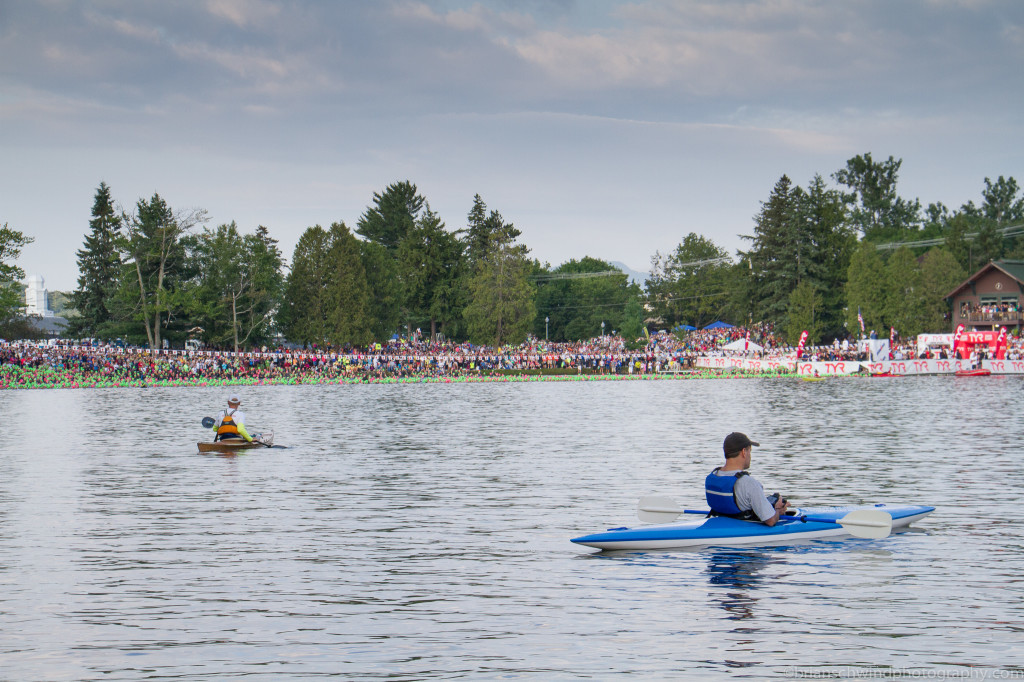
x=233, y=399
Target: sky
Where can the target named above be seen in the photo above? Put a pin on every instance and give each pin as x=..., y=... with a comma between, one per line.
x=600, y=128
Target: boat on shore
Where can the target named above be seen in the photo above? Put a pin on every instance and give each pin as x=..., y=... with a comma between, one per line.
x=259, y=440
x=799, y=524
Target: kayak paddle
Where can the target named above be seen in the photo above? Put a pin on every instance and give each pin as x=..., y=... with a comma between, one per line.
x=862, y=523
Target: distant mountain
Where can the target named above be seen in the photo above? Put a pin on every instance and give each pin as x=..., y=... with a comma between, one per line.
x=634, y=276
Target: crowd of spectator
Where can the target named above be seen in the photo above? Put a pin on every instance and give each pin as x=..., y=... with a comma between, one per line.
x=25, y=364
x=1006, y=311
x=662, y=354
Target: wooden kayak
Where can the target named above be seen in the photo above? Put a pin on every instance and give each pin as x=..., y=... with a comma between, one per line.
x=259, y=440
x=973, y=372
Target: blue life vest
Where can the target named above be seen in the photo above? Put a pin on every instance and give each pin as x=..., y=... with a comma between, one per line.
x=719, y=492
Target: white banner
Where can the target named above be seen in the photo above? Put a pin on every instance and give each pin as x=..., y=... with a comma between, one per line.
x=844, y=367
x=908, y=367
x=745, y=364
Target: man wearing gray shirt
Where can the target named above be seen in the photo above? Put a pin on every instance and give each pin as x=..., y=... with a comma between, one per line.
x=731, y=491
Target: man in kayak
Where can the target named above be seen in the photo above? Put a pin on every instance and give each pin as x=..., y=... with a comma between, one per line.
x=231, y=422
x=731, y=491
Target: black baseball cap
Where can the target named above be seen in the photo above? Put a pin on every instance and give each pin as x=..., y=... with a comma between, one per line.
x=736, y=441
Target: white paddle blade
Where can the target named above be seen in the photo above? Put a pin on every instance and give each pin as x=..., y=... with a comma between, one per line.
x=657, y=509
x=867, y=523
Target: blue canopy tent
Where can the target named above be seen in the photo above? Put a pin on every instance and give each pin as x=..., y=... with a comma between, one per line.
x=684, y=327
x=719, y=325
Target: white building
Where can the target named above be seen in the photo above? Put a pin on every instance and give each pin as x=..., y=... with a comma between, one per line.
x=36, y=298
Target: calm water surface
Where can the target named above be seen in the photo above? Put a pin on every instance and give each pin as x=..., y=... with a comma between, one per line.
x=422, y=531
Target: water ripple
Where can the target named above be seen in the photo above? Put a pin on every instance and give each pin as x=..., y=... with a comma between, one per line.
x=421, y=532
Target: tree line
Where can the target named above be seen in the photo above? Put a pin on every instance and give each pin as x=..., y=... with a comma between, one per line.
x=816, y=259
x=822, y=258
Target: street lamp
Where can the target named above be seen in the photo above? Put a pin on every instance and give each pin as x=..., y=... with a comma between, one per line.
x=602, y=328
x=546, y=328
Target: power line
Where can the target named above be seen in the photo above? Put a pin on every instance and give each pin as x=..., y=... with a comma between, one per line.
x=576, y=275
x=1009, y=231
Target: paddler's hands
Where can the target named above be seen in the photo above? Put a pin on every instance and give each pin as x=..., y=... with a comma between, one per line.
x=781, y=506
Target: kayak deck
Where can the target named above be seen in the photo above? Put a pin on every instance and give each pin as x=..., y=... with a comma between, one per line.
x=259, y=440
x=722, y=530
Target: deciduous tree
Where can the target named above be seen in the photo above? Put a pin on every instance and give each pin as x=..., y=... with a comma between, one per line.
x=155, y=258
x=12, y=301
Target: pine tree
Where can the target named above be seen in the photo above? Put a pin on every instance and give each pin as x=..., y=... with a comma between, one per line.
x=392, y=215
x=347, y=294
x=774, y=255
x=501, y=307
x=99, y=267
x=804, y=314
x=303, y=316
x=386, y=296
x=430, y=262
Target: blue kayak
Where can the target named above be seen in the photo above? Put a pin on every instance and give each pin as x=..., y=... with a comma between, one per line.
x=722, y=530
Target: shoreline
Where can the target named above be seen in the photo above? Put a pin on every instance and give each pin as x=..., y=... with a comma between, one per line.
x=39, y=379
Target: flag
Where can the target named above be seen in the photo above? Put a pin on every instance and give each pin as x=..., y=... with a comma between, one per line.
x=860, y=318
x=956, y=338
x=1000, y=353
x=800, y=346
x=892, y=341
x=746, y=341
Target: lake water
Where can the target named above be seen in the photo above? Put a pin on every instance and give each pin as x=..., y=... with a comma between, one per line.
x=422, y=532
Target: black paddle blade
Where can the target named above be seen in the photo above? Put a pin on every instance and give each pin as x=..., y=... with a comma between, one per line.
x=208, y=422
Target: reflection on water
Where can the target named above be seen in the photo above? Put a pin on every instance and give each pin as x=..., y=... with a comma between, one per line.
x=737, y=576
x=421, y=531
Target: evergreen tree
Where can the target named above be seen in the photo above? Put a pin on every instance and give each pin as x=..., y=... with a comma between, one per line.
x=386, y=295
x=347, y=295
x=304, y=315
x=99, y=268
x=501, y=307
x=774, y=257
x=155, y=267
x=430, y=260
x=482, y=228
x=392, y=215
x=825, y=243
x=804, y=314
